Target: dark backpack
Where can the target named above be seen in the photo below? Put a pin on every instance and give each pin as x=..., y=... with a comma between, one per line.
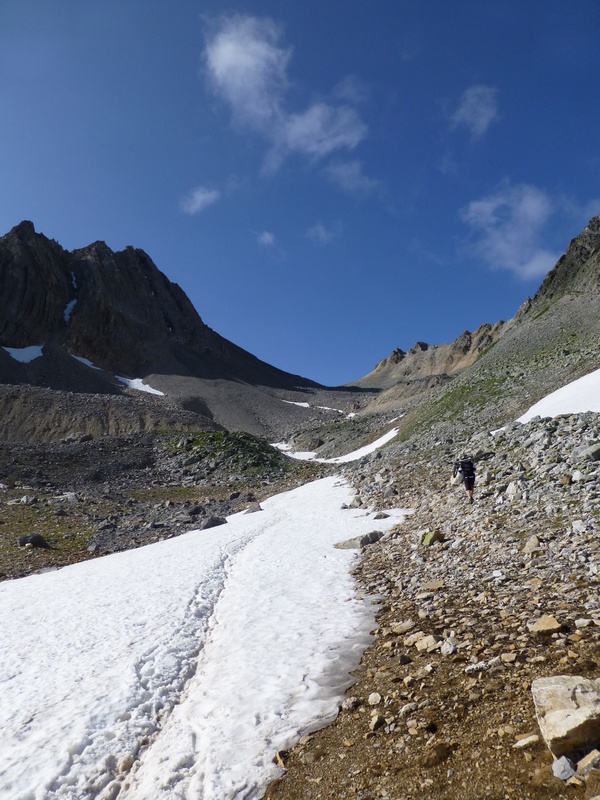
x=467, y=467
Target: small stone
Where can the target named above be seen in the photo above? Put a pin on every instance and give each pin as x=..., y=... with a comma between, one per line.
x=531, y=544
x=545, y=624
x=508, y=658
x=563, y=768
x=212, y=522
x=409, y=641
x=438, y=753
x=434, y=586
x=403, y=627
x=431, y=537
x=568, y=711
x=408, y=709
x=528, y=741
x=575, y=781
x=374, y=699
x=378, y=721
x=448, y=648
x=428, y=643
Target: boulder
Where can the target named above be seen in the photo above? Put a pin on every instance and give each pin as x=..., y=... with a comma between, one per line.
x=586, y=453
x=32, y=540
x=545, y=624
x=359, y=542
x=212, y=522
x=431, y=537
x=568, y=712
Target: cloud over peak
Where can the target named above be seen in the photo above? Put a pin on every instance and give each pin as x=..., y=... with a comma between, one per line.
x=507, y=228
x=246, y=64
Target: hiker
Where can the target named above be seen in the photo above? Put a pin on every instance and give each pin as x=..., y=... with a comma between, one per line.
x=465, y=466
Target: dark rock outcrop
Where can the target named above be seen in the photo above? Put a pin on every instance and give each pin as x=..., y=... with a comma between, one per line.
x=117, y=310
x=94, y=317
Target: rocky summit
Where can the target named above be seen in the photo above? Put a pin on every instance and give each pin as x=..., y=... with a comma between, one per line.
x=482, y=680
x=98, y=317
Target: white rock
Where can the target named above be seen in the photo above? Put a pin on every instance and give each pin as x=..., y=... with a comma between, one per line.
x=568, y=711
x=528, y=741
x=448, y=648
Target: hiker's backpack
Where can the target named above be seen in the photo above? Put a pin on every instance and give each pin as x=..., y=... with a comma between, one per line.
x=467, y=467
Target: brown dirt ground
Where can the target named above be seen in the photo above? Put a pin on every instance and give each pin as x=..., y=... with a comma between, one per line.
x=460, y=742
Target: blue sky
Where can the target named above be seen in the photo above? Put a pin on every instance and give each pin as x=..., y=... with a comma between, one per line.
x=326, y=181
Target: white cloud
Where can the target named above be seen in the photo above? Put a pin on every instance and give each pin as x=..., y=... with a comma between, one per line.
x=508, y=228
x=266, y=238
x=322, y=129
x=477, y=109
x=352, y=89
x=348, y=175
x=321, y=235
x=198, y=199
x=247, y=66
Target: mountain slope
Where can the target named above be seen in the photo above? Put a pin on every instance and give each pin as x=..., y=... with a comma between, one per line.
x=115, y=309
x=100, y=314
x=553, y=339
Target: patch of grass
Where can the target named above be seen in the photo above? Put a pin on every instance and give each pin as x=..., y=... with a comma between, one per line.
x=486, y=350
x=542, y=312
x=67, y=535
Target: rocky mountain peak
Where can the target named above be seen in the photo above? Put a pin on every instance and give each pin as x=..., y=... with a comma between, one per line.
x=98, y=314
x=424, y=361
x=577, y=270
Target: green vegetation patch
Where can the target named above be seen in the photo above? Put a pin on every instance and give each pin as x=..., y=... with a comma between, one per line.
x=66, y=535
x=542, y=312
x=240, y=452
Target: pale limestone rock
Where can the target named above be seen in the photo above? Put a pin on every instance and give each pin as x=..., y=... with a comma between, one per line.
x=568, y=712
x=531, y=544
x=426, y=643
x=377, y=721
x=434, y=586
x=545, y=624
x=588, y=763
x=448, y=648
x=413, y=638
x=528, y=741
x=403, y=627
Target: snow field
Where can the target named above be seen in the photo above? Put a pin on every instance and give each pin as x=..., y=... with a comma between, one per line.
x=199, y=656
x=574, y=398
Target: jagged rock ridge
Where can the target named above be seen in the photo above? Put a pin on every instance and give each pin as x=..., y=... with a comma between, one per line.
x=115, y=309
x=100, y=314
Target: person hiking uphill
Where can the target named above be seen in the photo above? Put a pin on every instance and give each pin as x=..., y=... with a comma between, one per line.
x=465, y=466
